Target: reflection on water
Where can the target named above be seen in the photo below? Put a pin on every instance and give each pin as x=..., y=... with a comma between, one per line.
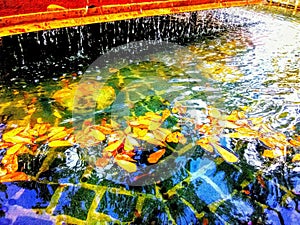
x=251, y=68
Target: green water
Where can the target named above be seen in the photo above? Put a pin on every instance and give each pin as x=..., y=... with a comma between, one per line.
x=253, y=67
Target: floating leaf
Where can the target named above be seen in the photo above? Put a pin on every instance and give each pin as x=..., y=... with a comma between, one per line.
x=294, y=143
x=130, y=142
x=296, y=158
x=55, y=130
x=233, y=116
x=154, y=125
x=57, y=114
x=60, y=135
x=154, y=157
x=12, y=150
x=98, y=135
x=59, y=143
x=138, y=132
x=150, y=138
x=228, y=124
x=18, y=139
x=272, y=153
x=126, y=165
x=269, y=142
x=16, y=176
x=102, y=162
x=6, y=136
x=226, y=155
x=113, y=146
x=161, y=133
x=215, y=113
x=3, y=172
x=124, y=157
x=203, y=143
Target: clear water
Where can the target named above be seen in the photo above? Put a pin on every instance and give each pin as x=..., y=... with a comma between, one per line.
x=253, y=67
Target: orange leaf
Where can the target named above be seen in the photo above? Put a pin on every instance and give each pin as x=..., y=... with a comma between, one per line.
x=295, y=143
x=112, y=146
x=154, y=157
x=102, y=162
x=16, y=176
x=126, y=165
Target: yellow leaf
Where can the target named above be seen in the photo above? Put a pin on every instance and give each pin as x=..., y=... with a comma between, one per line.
x=57, y=114
x=40, y=139
x=97, y=134
x=154, y=125
x=12, y=150
x=203, y=143
x=213, y=112
x=239, y=135
x=161, y=133
x=226, y=155
x=12, y=133
x=53, y=7
x=126, y=165
x=268, y=142
x=43, y=129
x=150, y=138
x=228, y=124
x=256, y=120
x=3, y=172
x=113, y=146
x=60, y=135
x=130, y=142
x=154, y=157
x=55, y=130
x=242, y=115
x=233, y=116
x=138, y=132
x=59, y=143
x=165, y=114
x=272, y=154
x=296, y=158
x=18, y=139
